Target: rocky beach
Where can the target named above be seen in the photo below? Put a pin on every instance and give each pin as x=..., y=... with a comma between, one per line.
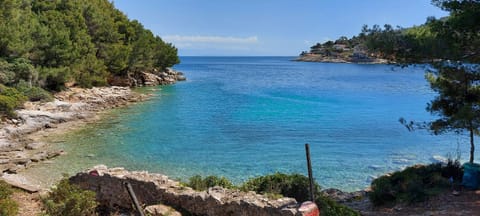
x=20, y=145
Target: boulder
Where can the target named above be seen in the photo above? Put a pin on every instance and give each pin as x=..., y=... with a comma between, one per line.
x=121, y=81
x=161, y=210
x=181, y=78
x=35, y=145
x=40, y=156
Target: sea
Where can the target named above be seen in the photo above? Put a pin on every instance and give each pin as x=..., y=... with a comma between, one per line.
x=243, y=117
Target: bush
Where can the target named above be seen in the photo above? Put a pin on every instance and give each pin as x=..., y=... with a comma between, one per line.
x=414, y=184
x=293, y=185
x=198, y=183
x=296, y=186
x=69, y=199
x=329, y=207
x=8, y=207
x=7, y=76
x=54, y=79
x=34, y=93
x=38, y=94
x=10, y=99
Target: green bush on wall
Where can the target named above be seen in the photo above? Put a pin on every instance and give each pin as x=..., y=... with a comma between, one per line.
x=198, y=183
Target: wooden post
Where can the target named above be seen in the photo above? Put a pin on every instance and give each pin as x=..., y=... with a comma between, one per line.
x=310, y=176
x=134, y=198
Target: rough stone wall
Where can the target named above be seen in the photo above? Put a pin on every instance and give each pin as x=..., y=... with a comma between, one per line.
x=152, y=189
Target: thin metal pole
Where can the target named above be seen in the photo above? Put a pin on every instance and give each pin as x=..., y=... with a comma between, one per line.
x=310, y=176
x=134, y=198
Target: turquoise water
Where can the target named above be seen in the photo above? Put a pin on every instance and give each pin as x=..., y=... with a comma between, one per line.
x=241, y=117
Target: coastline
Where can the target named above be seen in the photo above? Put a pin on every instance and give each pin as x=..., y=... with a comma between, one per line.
x=21, y=145
x=332, y=59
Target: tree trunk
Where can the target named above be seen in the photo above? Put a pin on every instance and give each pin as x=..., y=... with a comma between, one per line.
x=472, y=145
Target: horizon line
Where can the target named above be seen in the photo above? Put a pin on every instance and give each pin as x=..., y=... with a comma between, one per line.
x=237, y=55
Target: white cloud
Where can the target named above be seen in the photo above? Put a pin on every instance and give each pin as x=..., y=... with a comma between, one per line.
x=179, y=39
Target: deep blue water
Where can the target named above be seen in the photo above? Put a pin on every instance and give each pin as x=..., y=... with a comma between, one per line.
x=241, y=117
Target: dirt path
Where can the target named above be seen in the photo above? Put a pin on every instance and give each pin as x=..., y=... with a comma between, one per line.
x=28, y=204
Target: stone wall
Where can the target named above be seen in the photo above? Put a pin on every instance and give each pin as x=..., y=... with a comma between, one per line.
x=152, y=189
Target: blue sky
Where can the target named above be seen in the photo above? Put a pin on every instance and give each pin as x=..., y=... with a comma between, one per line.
x=267, y=27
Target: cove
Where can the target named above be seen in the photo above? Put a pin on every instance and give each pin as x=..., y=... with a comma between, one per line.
x=242, y=117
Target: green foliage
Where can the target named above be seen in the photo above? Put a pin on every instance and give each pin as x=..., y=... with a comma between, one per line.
x=414, y=184
x=331, y=208
x=89, y=40
x=34, y=93
x=69, y=199
x=5, y=190
x=198, y=183
x=455, y=37
x=437, y=42
x=296, y=186
x=10, y=99
x=55, y=78
x=7, y=76
x=293, y=185
x=8, y=207
x=49, y=43
x=457, y=103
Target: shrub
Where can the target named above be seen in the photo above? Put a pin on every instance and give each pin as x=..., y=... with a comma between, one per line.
x=329, y=207
x=296, y=186
x=69, y=199
x=54, y=79
x=414, y=184
x=7, y=106
x=38, y=94
x=8, y=207
x=453, y=169
x=34, y=93
x=10, y=99
x=293, y=185
x=7, y=76
x=198, y=183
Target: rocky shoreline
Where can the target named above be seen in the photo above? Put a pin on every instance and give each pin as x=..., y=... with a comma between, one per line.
x=338, y=59
x=19, y=148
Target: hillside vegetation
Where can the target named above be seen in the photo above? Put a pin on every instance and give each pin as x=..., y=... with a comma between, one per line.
x=455, y=37
x=46, y=44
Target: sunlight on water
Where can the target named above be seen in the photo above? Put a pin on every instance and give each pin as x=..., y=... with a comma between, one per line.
x=250, y=116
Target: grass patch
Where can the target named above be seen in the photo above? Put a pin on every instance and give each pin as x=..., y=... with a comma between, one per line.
x=8, y=207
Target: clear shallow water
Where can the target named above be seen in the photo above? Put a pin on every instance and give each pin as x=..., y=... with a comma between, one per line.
x=241, y=117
